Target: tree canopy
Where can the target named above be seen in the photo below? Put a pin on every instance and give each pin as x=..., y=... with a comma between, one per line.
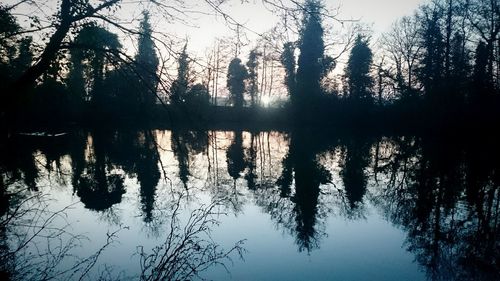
x=236, y=75
x=357, y=72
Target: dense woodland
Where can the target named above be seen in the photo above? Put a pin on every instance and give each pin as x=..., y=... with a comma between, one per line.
x=440, y=65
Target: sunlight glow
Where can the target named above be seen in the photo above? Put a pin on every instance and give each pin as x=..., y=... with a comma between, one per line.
x=266, y=100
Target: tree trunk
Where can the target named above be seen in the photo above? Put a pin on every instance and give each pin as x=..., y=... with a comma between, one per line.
x=18, y=88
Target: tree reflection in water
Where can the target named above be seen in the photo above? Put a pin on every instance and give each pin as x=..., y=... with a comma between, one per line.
x=186, y=143
x=443, y=192
x=449, y=209
x=356, y=157
x=308, y=174
x=99, y=164
x=235, y=156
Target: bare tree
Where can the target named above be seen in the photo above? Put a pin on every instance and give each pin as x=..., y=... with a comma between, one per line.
x=403, y=48
x=40, y=242
x=188, y=249
x=41, y=246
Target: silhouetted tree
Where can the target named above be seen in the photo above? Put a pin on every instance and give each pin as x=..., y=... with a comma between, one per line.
x=481, y=82
x=198, y=99
x=403, y=45
x=122, y=88
x=147, y=62
x=8, y=50
x=76, y=80
x=8, y=28
x=357, y=72
x=459, y=69
x=68, y=13
x=431, y=72
x=312, y=48
x=179, y=87
x=236, y=75
x=24, y=58
x=483, y=17
x=253, y=65
x=288, y=61
x=49, y=101
x=8, y=44
x=90, y=55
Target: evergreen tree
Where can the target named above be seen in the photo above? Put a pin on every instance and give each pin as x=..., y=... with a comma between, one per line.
x=480, y=79
x=312, y=48
x=459, y=59
x=180, y=86
x=198, y=99
x=91, y=58
x=253, y=65
x=8, y=27
x=459, y=68
x=25, y=56
x=8, y=45
x=357, y=72
x=147, y=62
x=236, y=75
x=433, y=58
x=288, y=61
x=76, y=81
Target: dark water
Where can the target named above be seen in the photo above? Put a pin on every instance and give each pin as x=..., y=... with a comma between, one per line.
x=242, y=205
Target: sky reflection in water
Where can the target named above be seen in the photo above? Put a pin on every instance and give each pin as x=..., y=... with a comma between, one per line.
x=310, y=205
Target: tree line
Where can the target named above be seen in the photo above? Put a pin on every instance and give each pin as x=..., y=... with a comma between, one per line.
x=444, y=59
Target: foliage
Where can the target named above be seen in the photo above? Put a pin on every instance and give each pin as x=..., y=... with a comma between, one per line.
x=198, y=98
x=312, y=48
x=288, y=61
x=236, y=75
x=91, y=60
x=180, y=86
x=253, y=65
x=8, y=28
x=480, y=76
x=147, y=62
x=431, y=72
x=357, y=72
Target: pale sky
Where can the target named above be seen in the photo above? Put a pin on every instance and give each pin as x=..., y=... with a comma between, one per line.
x=206, y=26
x=382, y=13
x=378, y=13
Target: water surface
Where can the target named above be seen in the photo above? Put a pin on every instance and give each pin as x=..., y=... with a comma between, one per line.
x=243, y=205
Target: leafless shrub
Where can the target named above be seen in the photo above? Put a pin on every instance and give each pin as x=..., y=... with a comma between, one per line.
x=189, y=248
x=39, y=244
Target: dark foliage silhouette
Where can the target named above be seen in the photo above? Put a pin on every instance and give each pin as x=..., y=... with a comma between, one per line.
x=359, y=80
x=236, y=76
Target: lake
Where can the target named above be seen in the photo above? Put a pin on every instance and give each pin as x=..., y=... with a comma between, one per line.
x=301, y=204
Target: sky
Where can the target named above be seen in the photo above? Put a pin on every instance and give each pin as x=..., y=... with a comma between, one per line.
x=202, y=25
x=380, y=14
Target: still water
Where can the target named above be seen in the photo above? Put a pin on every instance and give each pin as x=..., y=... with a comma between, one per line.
x=243, y=205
